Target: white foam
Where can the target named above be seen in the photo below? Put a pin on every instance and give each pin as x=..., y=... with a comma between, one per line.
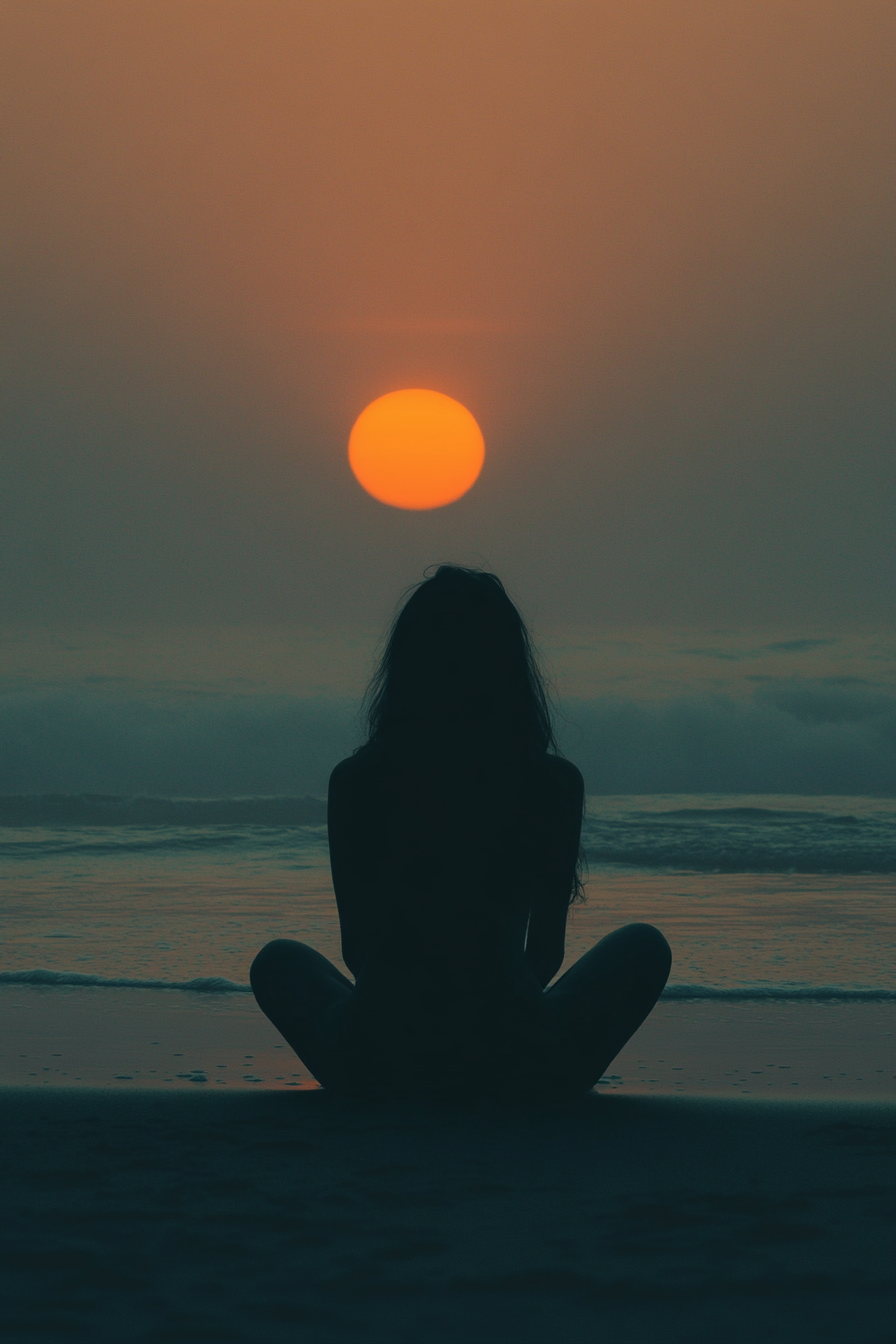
x=216, y=984
x=205, y=984
x=764, y=993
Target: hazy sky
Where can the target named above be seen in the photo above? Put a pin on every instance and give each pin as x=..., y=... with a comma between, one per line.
x=648, y=244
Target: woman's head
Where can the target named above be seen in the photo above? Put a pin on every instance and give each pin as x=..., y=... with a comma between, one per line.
x=459, y=670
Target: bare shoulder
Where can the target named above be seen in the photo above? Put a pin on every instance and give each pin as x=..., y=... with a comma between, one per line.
x=353, y=775
x=345, y=771
x=562, y=779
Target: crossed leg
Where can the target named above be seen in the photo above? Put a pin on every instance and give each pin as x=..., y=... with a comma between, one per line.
x=297, y=988
x=601, y=1001
x=589, y=1013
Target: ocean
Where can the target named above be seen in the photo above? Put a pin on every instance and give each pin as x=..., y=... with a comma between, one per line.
x=765, y=900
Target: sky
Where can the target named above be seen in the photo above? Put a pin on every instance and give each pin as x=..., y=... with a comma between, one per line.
x=649, y=245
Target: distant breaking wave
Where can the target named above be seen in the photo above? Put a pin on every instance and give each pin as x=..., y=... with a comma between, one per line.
x=216, y=984
x=102, y=809
x=686, y=839
x=742, y=840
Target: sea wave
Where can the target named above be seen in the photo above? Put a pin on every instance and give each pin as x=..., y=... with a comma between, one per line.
x=743, y=840
x=214, y=841
x=100, y=809
x=203, y=984
x=216, y=984
x=778, y=993
x=723, y=838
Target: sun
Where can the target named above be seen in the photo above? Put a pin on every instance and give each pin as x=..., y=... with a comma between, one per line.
x=416, y=449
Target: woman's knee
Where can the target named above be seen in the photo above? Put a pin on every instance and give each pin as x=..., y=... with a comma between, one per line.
x=276, y=959
x=646, y=944
x=648, y=936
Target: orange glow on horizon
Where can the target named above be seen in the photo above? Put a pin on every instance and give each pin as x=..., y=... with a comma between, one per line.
x=416, y=449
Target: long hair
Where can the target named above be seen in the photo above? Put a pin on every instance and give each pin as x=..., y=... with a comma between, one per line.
x=459, y=673
x=459, y=681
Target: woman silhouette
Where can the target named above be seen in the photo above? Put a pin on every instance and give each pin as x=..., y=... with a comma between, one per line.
x=454, y=847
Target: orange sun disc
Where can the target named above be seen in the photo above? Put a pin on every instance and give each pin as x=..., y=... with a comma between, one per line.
x=416, y=449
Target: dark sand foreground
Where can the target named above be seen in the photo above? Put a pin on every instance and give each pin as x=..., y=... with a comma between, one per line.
x=299, y=1216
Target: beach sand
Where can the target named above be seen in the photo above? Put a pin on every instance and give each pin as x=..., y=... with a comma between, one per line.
x=171, y=1172
x=205, y=1214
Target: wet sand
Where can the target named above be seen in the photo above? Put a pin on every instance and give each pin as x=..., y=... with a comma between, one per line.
x=215, y=1215
x=129, y=1038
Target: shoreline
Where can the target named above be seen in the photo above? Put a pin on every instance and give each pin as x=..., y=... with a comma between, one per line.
x=123, y=1039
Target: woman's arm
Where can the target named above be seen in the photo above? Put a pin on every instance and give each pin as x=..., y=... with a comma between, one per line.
x=349, y=825
x=559, y=844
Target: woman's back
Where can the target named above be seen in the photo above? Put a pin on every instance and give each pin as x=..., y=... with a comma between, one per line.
x=453, y=878
x=430, y=846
